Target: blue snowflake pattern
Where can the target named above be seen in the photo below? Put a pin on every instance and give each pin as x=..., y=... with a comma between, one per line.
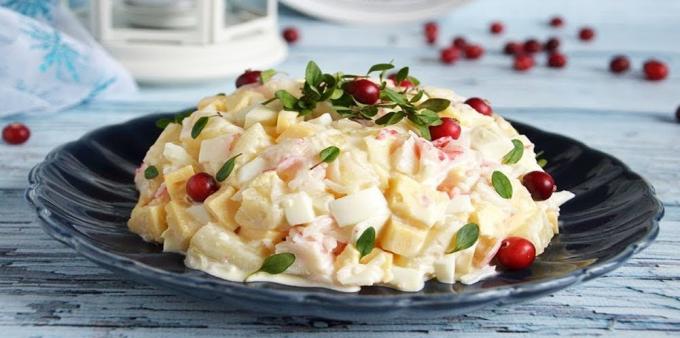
x=99, y=87
x=32, y=8
x=59, y=54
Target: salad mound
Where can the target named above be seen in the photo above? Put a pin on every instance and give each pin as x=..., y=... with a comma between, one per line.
x=343, y=181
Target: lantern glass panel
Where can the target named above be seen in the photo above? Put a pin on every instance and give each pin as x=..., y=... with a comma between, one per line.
x=241, y=11
x=165, y=15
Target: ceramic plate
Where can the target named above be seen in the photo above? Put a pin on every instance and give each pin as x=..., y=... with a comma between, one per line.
x=84, y=192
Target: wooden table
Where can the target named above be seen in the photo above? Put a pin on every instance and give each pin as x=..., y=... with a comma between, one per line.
x=46, y=290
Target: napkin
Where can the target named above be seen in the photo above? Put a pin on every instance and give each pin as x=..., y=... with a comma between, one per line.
x=49, y=62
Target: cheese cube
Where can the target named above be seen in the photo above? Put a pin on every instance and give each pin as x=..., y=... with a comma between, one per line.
x=260, y=114
x=285, y=119
x=222, y=245
x=298, y=208
x=257, y=212
x=420, y=205
x=299, y=130
x=359, y=206
x=348, y=256
x=148, y=222
x=490, y=220
x=222, y=208
x=253, y=140
x=214, y=152
x=176, y=183
x=401, y=238
x=181, y=227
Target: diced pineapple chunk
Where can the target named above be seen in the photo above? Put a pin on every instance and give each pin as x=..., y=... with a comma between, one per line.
x=214, y=152
x=298, y=208
x=401, y=238
x=420, y=205
x=222, y=208
x=240, y=100
x=490, y=143
x=223, y=245
x=253, y=140
x=198, y=212
x=148, y=222
x=250, y=170
x=176, y=183
x=359, y=206
x=181, y=227
x=260, y=114
x=537, y=229
x=490, y=219
x=257, y=210
x=299, y=130
x=285, y=119
x=177, y=156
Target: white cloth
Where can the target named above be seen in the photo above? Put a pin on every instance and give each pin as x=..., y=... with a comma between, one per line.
x=49, y=62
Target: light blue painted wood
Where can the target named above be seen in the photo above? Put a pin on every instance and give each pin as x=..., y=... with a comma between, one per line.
x=48, y=291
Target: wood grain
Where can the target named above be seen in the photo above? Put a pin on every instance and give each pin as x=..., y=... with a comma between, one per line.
x=46, y=290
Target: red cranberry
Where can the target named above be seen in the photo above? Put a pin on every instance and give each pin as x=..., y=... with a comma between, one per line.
x=516, y=253
x=431, y=26
x=556, y=21
x=449, y=127
x=655, y=70
x=248, y=77
x=200, y=186
x=619, y=64
x=557, y=60
x=480, y=105
x=291, y=35
x=532, y=46
x=15, y=133
x=406, y=83
x=449, y=55
x=473, y=51
x=552, y=44
x=586, y=34
x=540, y=185
x=459, y=42
x=512, y=48
x=363, y=90
x=431, y=32
x=496, y=27
x=523, y=62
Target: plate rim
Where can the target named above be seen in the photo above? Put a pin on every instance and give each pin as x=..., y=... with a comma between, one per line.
x=68, y=235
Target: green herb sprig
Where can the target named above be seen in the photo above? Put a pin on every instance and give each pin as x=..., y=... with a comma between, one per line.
x=328, y=155
x=277, y=263
x=465, y=237
x=226, y=169
x=501, y=184
x=366, y=242
x=514, y=155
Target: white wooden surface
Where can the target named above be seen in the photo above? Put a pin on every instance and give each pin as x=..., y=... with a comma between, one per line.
x=46, y=290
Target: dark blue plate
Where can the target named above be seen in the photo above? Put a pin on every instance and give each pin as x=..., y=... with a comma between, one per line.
x=84, y=192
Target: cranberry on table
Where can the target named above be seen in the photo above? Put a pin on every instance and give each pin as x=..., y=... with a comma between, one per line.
x=552, y=44
x=459, y=42
x=619, y=64
x=473, y=51
x=449, y=55
x=516, y=253
x=496, y=27
x=363, y=90
x=291, y=34
x=556, y=21
x=586, y=34
x=523, y=62
x=532, y=46
x=15, y=133
x=539, y=184
x=655, y=70
x=557, y=60
x=248, y=77
x=200, y=186
x=512, y=48
x=431, y=32
x=480, y=105
x=449, y=127
x=406, y=83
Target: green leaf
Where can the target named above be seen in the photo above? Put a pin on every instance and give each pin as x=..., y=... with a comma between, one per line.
x=390, y=118
x=380, y=67
x=429, y=118
x=265, y=75
x=542, y=162
x=162, y=123
x=366, y=242
x=287, y=99
x=514, y=155
x=413, y=80
x=337, y=93
x=220, y=94
x=394, y=96
x=226, y=169
x=198, y=126
x=502, y=184
x=277, y=263
x=313, y=74
x=465, y=237
x=417, y=97
x=368, y=111
x=150, y=172
x=435, y=104
x=329, y=154
x=424, y=132
x=402, y=74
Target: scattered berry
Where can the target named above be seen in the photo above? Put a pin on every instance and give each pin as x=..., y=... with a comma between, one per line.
x=552, y=44
x=200, y=186
x=15, y=133
x=557, y=60
x=586, y=34
x=459, y=42
x=619, y=64
x=449, y=127
x=532, y=46
x=291, y=35
x=449, y=55
x=523, y=62
x=556, y=21
x=431, y=32
x=473, y=51
x=363, y=90
x=405, y=83
x=540, y=185
x=512, y=48
x=248, y=77
x=480, y=105
x=655, y=70
x=516, y=253
x=496, y=27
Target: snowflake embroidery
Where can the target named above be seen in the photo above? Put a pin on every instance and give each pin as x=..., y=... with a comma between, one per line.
x=32, y=8
x=99, y=87
x=59, y=55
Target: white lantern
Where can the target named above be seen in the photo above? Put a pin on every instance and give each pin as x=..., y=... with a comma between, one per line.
x=162, y=41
